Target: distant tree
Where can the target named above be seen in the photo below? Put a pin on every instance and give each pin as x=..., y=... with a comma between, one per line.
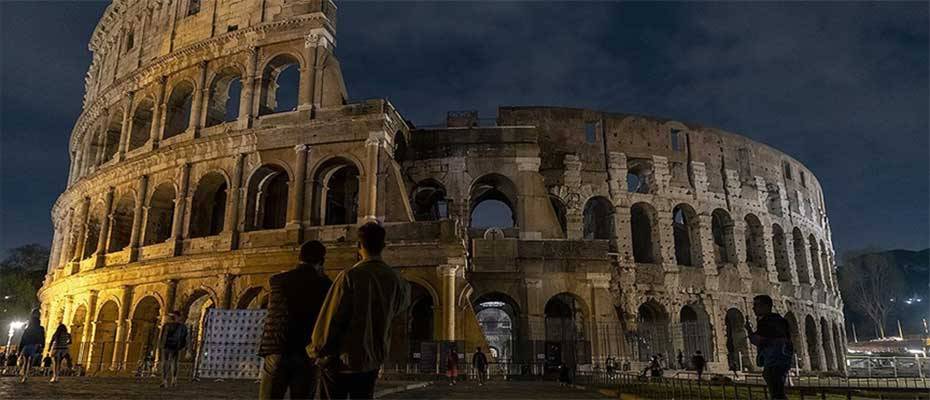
x=21, y=274
x=31, y=257
x=871, y=284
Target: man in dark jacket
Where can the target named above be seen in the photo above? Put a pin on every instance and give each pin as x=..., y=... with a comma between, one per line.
x=480, y=362
x=772, y=338
x=174, y=337
x=293, y=306
x=698, y=362
x=31, y=343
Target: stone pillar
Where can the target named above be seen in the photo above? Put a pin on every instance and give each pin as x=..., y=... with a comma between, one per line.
x=103, y=239
x=372, y=150
x=233, y=200
x=623, y=231
x=119, y=345
x=101, y=138
x=246, y=97
x=665, y=254
x=81, y=233
x=88, y=334
x=124, y=128
x=137, y=214
x=447, y=277
x=158, y=109
x=226, y=289
x=177, y=224
x=200, y=92
x=705, y=243
x=295, y=208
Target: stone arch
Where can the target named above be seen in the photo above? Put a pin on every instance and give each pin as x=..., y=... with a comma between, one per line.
x=838, y=347
x=797, y=340
x=493, y=202
x=279, y=84
x=697, y=332
x=567, y=340
x=686, y=232
x=738, y=357
x=721, y=227
x=598, y=218
x=645, y=232
x=77, y=330
x=250, y=299
x=112, y=135
x=160, y=220
x=652, y=334
x=755, y=242
x=141, y=123
x=337, y=191
x=121, y=222
x=267, y=198
x=499, y=317
x=561, y=213
x=780, y=246
x=196, y=305
x=419, y=324
x=143, y=331
x=224, y=95
x=93, y=145
x=813, y=343
x=825, y=338
x=178, y=108
x=428, y=200
x=104, y=335
x=815, y=261
x=800, y=258
x=92, y=233
x=208, y=207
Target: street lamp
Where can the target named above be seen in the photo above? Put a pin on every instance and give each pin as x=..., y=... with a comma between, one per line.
x=13, y=327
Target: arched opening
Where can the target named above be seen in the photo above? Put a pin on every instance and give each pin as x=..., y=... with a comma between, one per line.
x=800, y=259
x=722, y=232
x=566, y=339
x=638, y=177
x=737, y=342
x=279, y=85
x=696, y=331
x=493, y=202
x=825, y=339
x=267, y=198
x=195, y=315
x=780, y=246
x=643, y=229
x=795, y=330
x=410, y=333
x=104, y=336
x=92, y=147
x=225, y=92
x=121, y=223
x=498, y=317
x=112, y=135
x=141, y=124
x=558, y=207
x=813, y=343
x=337, y=192
x=77, y=334
x=755, y=242
x=815, y=261
x=92, y=234
x=250, y=299
x=160, y=220
x=429, y=201
x=208, y=208
x=400, y=147
x=652, y=336
x=598, y=219
x=839, y=347
x=143, y=333
x=685, y=230
x=178, y=109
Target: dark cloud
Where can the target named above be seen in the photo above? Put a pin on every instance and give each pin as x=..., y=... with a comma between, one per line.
x=843, y=87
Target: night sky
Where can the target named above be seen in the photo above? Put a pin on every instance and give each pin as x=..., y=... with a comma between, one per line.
x=841, y=87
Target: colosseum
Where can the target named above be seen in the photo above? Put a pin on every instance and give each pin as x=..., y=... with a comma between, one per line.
x=197, y=169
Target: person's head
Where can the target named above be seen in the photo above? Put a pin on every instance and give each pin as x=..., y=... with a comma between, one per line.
x=61, y=329
x=312, y=252
x=762, y=305
x=370, y=240
x=478, y=349
x=35, y=316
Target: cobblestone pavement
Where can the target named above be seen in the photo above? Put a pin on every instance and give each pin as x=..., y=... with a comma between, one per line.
x=498, y=390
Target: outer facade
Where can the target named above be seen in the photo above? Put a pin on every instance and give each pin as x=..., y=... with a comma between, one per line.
x=197, y=171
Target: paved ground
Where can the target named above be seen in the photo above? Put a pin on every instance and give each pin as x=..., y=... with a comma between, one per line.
x=497, y=390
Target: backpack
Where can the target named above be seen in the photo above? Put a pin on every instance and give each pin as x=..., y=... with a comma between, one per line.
x=175, y=336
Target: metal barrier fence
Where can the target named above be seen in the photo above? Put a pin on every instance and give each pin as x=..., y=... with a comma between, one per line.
x=875, y=367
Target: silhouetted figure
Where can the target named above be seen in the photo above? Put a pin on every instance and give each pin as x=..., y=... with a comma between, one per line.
x=174, y=339
x=681, y=360
x=352, y=334
x=31, y=343
x=773, y=341
x=61, y=340
x=480, y=362
x=452, y=366
x=293, y=306
x=698, y=362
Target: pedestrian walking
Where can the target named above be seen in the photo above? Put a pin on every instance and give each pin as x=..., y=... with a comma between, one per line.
x=452, y=366
x=681, y=360
x=352, y=335
x=61, y=339
x=293, y=306
x=698, y=362
x=173, y=340
x=772, y=338
x=30, y=344
x=480, y=362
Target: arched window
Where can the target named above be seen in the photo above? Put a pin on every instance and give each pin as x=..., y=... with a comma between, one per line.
x=813, y=343
x=208, y=208
x=815, y=260
x=696, y=331
x=93, y=146
x=722, y=231
x=225, y=92
x=639, y=175
x=104, y=335
x=267, y=198
x=408, y=333
x=141, y=125
x=560, y=213
x=598, y=219
x=492, y=202
x=143, y=337
x=737, y=341
x=498, y=316
x=161, y=214
x=77, y=333
x=429, y=201
x=780, y=246
x=800, y=259
x=685, y=230
x=121, y=223
x=112, y=135
x=279, y=85
x=652, y=334
x=178, y=109
x=643, y=226
x=566, y=338
x=755, y=242
x=337, y=193
x=825, y=339
x=92, y=234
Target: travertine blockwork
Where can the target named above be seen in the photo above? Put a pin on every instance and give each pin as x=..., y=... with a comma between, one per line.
x=198, y=167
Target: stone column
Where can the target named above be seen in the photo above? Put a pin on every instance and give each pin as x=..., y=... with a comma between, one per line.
x=119, y=345
x=103, y=239
x=447, y=277
x=246, y=97
x=87, y=334
x=234, y=199
x=623, y=231
x=372, y=150
x=81, y=234
x=137, y=214
x=226, y=289
x=158, y=109
x=200, y=92
x=535, y=319
x=124, y=128
x=177, y=224
x=101, y=138
x=295, y=208
x=665, y=240
x=705, y=243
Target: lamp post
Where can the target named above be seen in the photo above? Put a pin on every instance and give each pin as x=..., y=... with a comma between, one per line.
x=13, y=327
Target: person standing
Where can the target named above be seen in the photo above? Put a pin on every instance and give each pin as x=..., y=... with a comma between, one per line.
x=480, y=362
x=61, y=339
x=698, y=362
x=452, y=366
x=173, y=340
x=352, y=335
x=293, y=306
x=31, y=343
x=772, y=338
x=681, y=360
